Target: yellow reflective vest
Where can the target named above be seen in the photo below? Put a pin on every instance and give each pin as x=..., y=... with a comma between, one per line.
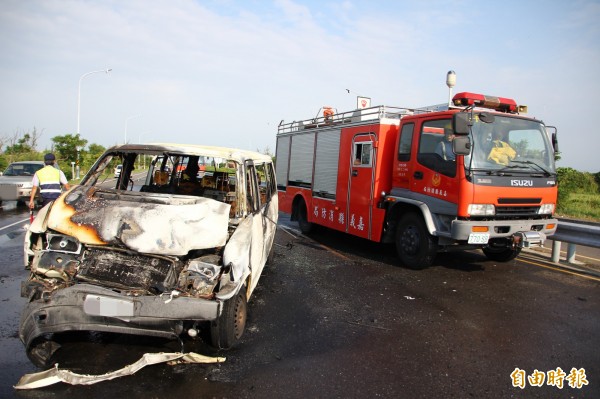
x=49, y=179
x=501, y=152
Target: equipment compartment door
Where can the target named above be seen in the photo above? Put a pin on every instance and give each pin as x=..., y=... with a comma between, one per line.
x=360, y=185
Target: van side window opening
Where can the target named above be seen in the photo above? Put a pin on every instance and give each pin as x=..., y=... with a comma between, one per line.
x=362, y=154
x=272, y=186
x=252, y=197
x=406, y=137
x=262, y=182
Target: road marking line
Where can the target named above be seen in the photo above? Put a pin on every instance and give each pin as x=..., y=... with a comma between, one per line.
x=563, y=254
x=561, y=270
x=333, y=252
x=10, y=225
x=286, y=229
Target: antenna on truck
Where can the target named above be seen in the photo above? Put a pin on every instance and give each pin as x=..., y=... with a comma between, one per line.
x=450, y=82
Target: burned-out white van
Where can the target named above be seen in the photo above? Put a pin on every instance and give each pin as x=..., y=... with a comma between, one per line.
x=180, y=238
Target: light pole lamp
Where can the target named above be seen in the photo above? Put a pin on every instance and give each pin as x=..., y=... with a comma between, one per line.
x=79, y=93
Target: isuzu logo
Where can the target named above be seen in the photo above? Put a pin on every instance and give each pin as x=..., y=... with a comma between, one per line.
x=521, y=183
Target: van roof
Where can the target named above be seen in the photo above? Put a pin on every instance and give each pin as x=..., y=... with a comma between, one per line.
x=193, y=149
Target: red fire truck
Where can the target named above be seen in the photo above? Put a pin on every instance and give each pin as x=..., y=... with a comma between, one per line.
x=471, y=174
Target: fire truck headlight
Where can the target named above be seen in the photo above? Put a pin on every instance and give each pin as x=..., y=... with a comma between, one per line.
x=481, y=210
x=546, y=209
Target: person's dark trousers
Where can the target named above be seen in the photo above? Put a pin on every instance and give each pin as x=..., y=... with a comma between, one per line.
x=46, y=201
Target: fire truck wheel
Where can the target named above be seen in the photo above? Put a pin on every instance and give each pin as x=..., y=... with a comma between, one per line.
x=229, y=327
x=415, y=246
x=501, y=254
x=305, y=226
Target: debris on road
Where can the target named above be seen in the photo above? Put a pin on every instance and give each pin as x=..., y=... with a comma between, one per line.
x=54, y=375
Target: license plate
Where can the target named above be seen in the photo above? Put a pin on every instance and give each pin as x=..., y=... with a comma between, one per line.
x=479, y=238
x=97, y=305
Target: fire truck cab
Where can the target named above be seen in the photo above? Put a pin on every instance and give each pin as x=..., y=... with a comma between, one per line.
x=472, y=174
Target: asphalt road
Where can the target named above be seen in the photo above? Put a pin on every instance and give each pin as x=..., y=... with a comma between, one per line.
x=334, y=316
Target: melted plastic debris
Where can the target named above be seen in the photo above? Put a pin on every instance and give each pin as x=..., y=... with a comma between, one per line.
x=54, y=375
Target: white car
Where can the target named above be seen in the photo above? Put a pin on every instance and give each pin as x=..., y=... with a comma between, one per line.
x=162, y=259
x=16, y=180
x=117, y=171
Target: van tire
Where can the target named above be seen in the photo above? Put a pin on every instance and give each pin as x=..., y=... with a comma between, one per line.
x=271, y=255
x=415, y=246
x=227, y=330
x=41, y=351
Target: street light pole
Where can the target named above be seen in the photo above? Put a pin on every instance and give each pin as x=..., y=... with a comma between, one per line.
x=77, y=167
x=126, y=121
x=79, y=93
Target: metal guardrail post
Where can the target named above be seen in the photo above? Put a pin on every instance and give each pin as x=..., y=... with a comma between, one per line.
x=571, y=249
x=556, y=251
x=574, y=233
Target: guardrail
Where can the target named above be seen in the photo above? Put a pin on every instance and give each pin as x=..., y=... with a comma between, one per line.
x=574, y=232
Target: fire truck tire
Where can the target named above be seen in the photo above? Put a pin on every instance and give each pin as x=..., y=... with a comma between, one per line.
x=228, y=328
x=415, y=246
x=305, y=226
x=501, y=254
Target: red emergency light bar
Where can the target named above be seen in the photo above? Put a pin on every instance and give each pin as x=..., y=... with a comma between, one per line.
x=479, y=100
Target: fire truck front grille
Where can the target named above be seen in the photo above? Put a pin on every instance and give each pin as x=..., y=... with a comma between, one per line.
x=511, y=201
x=517, y=212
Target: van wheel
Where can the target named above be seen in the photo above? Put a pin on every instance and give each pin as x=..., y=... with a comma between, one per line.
x=501, y=254
x=40, y=352
x=415, y=246
x=228, y=328
x=271, y=255
x=305, y=226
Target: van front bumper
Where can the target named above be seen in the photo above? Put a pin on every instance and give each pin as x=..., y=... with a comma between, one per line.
x=85, y=307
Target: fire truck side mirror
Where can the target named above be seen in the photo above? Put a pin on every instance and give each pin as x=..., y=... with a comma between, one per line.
x=461, y=123
x=461, y=145
x=555, y=144
x=554, y=138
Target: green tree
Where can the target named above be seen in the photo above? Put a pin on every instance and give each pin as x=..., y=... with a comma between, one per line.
x=571, y=181
x=21, y=146
x=68, y=147
x=93, y=153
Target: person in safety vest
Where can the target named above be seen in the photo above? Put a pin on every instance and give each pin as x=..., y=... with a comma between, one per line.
x=49, y=181
x=501, y=152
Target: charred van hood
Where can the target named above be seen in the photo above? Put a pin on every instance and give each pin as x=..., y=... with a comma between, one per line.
x=170, y=225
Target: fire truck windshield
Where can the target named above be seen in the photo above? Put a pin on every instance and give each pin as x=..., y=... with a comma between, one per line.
x=510, y=145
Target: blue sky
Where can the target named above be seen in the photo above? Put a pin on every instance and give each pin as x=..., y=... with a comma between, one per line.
x=227, y=72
